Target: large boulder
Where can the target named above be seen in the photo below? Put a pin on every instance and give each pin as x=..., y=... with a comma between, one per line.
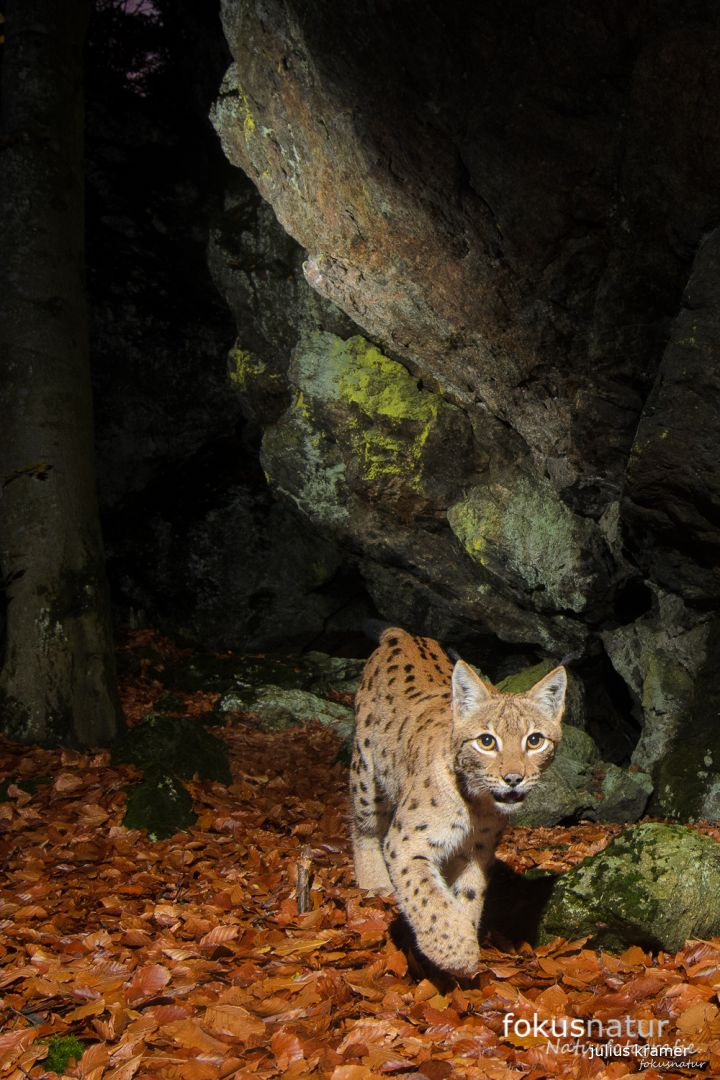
x=670, y=660
x=654, y=885
x=580, y=786
x=489, y=209
x=672, y=497
x=687, y=779
x=659, y=657
x=375, y=457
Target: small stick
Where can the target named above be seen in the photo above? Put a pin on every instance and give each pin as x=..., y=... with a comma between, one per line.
x=304, y=880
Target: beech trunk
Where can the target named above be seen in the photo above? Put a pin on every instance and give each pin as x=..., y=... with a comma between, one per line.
x=58, y=678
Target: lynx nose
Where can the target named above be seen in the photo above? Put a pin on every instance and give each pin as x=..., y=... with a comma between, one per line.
x=512, y=779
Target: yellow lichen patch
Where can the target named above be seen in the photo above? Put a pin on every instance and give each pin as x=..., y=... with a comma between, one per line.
x=529, y=530
x=379, y=386
x=246, y=116
x=244, y=367
x=388, y=417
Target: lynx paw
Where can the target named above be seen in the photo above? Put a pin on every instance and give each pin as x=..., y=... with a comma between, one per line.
x=458, y=955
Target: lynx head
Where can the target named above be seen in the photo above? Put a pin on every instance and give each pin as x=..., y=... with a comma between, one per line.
x=504, y=742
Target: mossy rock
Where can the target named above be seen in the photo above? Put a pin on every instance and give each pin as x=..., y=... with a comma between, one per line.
x=624, y=793
x=175, y=745
x=278, y=709
x=655, y=886
x=578, y=786
x=523, y=534
x=524, y=680
x=160, y=803
x=327, y=672
x=314, y=671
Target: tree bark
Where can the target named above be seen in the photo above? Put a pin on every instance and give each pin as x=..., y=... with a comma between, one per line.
x=58, y=679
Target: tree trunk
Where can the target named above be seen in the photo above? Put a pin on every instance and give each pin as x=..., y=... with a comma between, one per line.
x=58, y=679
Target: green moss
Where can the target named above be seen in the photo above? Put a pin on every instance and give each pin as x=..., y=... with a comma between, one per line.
x=654, y=885
x=174, y=744
x=524, y=680
x=62, y=1049
x=160, y=803
x=528, y=529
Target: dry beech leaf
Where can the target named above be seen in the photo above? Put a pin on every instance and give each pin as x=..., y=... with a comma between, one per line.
x=147, y=982
x=234, y=1020
x=286, y=1048
x=66, y=782
x=94, y=1057
x=696, y=1017
x=219, y=935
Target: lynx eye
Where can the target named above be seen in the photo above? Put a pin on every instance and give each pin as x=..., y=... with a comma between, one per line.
x=486, y=741
x=534, y=740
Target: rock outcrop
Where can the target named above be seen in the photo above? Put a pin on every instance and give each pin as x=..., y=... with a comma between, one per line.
x=502, y=406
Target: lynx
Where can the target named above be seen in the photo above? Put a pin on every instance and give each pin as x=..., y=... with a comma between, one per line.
x=441, y=759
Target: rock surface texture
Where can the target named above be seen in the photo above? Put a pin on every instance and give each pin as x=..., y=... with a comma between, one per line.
x=654, y=885
x=503, y=402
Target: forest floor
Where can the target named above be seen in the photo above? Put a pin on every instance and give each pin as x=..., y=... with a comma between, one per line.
x=187, y=958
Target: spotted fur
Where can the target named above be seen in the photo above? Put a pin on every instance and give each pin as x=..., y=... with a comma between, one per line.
x=440, y=760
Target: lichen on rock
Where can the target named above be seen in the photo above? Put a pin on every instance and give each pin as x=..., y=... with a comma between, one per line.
x=360, y=427
x=654, y=885
x=302, y=464
x=521, y=531
x=279, y=708
x=380, y=415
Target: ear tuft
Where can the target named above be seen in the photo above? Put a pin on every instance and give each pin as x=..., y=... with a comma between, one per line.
x=468, y=689
x=549, y=693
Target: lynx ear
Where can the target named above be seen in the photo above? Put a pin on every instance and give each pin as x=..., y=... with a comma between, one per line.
x=468, y=690
x=549, y=694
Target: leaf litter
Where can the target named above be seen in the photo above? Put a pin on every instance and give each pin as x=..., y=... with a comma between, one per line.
x=188, y=958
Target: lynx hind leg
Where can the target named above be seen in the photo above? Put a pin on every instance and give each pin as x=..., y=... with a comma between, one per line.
x=370, y=819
